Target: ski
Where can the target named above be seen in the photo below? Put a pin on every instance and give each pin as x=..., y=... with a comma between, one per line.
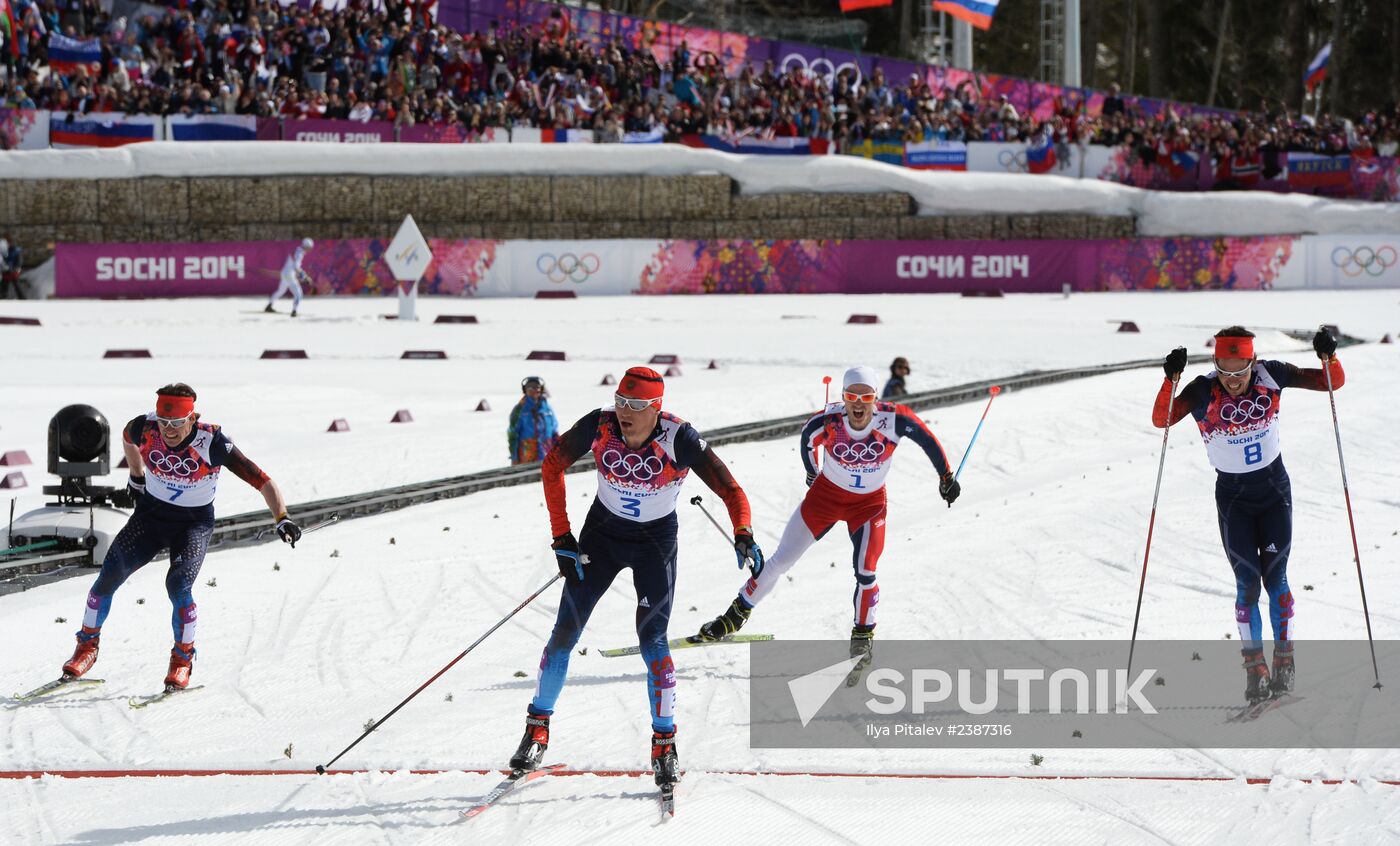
x=56, y=688
x=1259, y=709
x=143, y=701
x=687, y=643
x=667, y=799
x=512, y=781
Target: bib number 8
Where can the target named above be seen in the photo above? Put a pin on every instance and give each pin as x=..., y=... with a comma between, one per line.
x=1254, y=453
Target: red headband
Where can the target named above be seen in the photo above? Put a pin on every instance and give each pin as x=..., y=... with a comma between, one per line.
x=642, y=383
x=1234, y=348
x=170, y=406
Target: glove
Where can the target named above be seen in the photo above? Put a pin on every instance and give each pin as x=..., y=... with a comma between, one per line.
x=1175, y=363
x=811, y=477
x=568, y=557
x=135, y=486
x=948, y=488
x=288, y=531
x=1324, y=344
x=747, y=551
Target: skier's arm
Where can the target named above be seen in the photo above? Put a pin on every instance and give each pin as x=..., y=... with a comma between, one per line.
x=130, y=434
x=909, y=425
x=1180, y=406
x=575, y=443
x=813, y=436
x=717, y=478
x=1308, y=378
x=512, y=435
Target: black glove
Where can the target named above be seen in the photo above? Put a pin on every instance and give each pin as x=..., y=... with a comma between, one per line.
x=568, y=557
x=747, y=551
x=948, y=488
x=288, y=531
x=811, y=477
x=1175, y=363
x=1324, y=344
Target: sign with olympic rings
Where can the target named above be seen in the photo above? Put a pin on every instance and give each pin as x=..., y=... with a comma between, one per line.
x=568, y=267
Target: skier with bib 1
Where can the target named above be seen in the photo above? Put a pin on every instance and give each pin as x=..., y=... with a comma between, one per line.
x=856, y=440
x=642, y=455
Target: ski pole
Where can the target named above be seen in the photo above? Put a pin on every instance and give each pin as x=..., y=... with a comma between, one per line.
x=695, y=500
x=313, y=527
x=1151, y=522
x=321, y=768
x=994, y=390
x=1355, y=548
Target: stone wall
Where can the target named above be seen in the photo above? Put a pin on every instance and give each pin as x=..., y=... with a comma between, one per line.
x=37, y=213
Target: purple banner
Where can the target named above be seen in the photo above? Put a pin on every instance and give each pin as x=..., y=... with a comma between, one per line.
x=338, y=131
x=427, y=133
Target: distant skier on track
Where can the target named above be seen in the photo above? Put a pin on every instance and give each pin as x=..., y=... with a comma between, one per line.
x=175, y=461
x=642, y=455
x=292, y=274
x=857, y=438
x=1236, y=407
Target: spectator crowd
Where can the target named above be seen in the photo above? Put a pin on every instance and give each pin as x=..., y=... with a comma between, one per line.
x=257, y=57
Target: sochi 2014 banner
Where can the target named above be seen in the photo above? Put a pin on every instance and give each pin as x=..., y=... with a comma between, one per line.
x=491, y=268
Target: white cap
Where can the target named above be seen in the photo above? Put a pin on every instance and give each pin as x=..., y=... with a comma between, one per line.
x=307, y=243
x=861, y=375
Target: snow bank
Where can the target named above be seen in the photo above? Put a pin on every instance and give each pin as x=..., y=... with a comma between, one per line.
x=937, y=193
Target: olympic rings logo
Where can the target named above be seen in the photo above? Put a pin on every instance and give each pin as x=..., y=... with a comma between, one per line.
x=173, y=463
x=810, y=68
x=1244, y=411
x=858, y=452
x=1364, y=260
x=632, y=465
x=567, y=267
x=1013, y=161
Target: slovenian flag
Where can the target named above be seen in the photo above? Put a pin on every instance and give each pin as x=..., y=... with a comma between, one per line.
x=1040, y=157
x=976, y=12
x=96, y=132
x=852, y=5
x=1317, y=69
x=66, y=54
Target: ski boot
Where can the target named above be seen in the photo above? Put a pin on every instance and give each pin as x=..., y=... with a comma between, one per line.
x=269, y=309
x=862, y=647
x=83, y=658
x=1282, y=683
x=531, y=749
x=664, y=762
x=294, y=312
x=1256, y=675
x=731, y=621
x=181, y=663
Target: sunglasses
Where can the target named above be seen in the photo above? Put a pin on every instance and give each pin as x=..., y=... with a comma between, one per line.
x=173, y=422
x=852, y=396
x=1234, y=373
x=629, y=402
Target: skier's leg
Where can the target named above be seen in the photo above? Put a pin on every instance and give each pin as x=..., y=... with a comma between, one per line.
x=575, y=606
x=867, y=542
x=1241, y=541
x=187, y=549
x=135, y=545
x=655, y=583
x=807, y=524
x=1275, y=527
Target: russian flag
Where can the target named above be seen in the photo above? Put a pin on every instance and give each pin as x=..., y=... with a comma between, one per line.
x=66, y=54
x=761, y=146
x=976, y=12
x=852, y=5
x=655, y=136
x=563, y=136
x=1184, y=162
x=1317, y=68
x=1309, y=170
x=213, y=127
x=94, y=131
x=1040, y=158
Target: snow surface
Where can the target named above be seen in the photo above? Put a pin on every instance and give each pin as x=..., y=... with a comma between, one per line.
x=1045, y=543
x=937, y=192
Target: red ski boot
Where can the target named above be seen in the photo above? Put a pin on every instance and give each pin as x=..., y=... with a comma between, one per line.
x=181, y=663
x=83, y=658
